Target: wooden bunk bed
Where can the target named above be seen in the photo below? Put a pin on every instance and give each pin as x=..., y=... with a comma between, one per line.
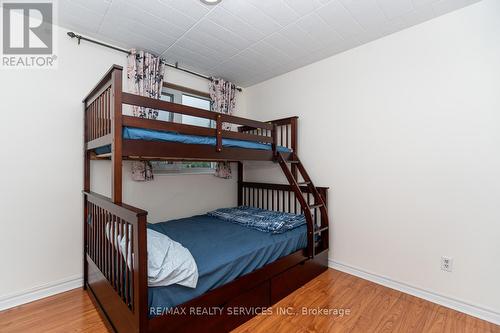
x=120, y=290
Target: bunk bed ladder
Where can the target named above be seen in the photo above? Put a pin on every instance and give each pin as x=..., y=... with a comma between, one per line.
x=313, y=229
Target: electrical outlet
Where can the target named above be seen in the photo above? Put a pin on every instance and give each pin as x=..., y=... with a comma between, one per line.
x=446, y=264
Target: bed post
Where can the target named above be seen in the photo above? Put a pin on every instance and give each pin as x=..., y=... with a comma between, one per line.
x=141, y=275
x=116, y=132
x=218, y=138
x=240, y=183
x=274, y=144
x=86, y=188
x=293, y=142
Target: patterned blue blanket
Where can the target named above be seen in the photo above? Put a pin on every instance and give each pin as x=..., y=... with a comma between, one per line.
x=260, y=219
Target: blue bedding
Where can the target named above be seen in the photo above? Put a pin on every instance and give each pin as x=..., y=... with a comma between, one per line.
x=223, y=251
x=260, y=219
x=132, y=133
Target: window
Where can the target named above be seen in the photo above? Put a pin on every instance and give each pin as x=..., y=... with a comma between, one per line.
x=195, y=99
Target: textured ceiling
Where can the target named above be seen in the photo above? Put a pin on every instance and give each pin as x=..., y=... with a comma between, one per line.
x=246, y=41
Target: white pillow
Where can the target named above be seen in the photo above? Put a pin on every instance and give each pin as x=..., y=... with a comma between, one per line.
x=117, y=241
x=114, y=241
x=168, y=261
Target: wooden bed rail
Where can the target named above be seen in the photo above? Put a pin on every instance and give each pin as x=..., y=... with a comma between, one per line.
x=281, y=197
x=116, y=273
x=98, y=106
x=283, y=133
x=106, y=78
x=219, y=119
x=190, y=129
x=158, y=104
x=98, y=118
x=286, y=132
x=103, y=126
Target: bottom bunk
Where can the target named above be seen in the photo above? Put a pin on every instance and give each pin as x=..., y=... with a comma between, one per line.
x=223, y=251
x=240, y=270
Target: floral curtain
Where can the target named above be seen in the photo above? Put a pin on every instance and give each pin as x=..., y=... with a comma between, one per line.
x=222, y=94
x=145, y=78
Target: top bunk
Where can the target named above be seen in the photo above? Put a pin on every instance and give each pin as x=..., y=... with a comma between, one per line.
x=110, y=132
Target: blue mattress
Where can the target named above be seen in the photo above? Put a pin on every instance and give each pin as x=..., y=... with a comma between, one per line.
x=132, y=133
x=223, y=251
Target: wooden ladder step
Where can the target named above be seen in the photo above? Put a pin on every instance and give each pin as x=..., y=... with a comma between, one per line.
x=316, y=206
x=303, y=183
x=293, y=161
x=318, y=231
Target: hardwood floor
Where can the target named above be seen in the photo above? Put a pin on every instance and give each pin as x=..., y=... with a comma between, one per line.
x=372, y=308
x=72, y=311
x=348, y=304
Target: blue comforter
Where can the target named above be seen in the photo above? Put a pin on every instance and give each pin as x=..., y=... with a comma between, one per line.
x=223, y=251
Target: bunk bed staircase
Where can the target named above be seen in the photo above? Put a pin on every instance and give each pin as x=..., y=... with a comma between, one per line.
x=317, y=229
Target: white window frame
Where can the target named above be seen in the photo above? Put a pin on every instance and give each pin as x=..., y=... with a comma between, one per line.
x=179, y=168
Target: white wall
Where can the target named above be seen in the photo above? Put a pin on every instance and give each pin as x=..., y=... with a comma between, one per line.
x=405, y=131
x=41, y=172
x=169, y=196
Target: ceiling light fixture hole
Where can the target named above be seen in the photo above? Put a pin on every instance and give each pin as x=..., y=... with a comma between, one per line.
x=210, y=2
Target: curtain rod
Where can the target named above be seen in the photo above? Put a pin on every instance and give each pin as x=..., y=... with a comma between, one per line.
x=80, y=38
